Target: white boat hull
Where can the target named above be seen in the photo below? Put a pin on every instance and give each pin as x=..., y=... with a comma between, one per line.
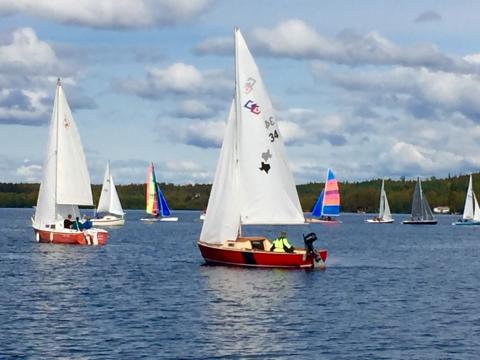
x=168, y=219
x=108, y=220
x=322, y=221
x=379, y=221
x=466, y=223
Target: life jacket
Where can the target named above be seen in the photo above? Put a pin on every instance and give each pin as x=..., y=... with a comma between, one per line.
x=280, y=245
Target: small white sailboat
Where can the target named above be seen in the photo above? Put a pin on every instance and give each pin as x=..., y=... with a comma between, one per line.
x=109, y=211
x=253, y=183
x=384, y=215
x=156, y=204
x=471, y=211
x=65, y=184
x=421, y=212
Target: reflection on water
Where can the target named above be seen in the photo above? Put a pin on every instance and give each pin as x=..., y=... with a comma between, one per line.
x=390, y=292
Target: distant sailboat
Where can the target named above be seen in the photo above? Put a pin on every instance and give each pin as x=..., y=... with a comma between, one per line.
x=65, y=183
x=421, y=212
x=253, y=184
x=471, y=211
x=384, y=215
x=156, y=205
x=327, y=206
x=109, y=206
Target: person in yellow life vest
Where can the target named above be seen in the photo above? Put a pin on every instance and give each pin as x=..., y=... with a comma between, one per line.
x=281, y=244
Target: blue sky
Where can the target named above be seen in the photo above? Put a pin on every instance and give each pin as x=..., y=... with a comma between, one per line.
x=369, y=88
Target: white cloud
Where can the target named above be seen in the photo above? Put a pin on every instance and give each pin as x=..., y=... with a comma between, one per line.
x=29, y=68
x=28, y=54
x=421, y=92
x=295, y=39
x=177, y=79
x=30, y=173
x=110, y=14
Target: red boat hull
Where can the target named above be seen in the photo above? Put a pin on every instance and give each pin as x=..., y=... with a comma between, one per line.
x=220, y=255
x=66, y=237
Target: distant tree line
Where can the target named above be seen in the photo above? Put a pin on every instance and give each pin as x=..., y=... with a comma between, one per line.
x=363, y=195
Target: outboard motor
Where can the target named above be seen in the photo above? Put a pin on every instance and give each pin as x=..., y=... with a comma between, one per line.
x=308, y=240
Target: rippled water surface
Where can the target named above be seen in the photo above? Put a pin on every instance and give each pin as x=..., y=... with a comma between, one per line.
x=389, y=292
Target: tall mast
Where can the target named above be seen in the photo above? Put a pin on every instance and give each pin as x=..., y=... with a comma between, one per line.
x=57, y=95
x=237, y=114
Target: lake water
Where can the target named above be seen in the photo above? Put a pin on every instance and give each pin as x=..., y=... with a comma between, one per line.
x=389, y=292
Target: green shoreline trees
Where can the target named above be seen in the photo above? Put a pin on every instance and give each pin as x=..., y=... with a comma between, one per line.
x=362, y=195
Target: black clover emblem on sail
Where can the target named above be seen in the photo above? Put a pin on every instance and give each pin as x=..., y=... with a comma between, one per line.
x=264, y=166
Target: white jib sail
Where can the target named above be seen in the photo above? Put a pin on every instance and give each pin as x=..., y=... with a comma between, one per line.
x=267, y=190
x=222, y=219
x=65, y=180
x=468, y=209
x=115, y=205
x=476, y=212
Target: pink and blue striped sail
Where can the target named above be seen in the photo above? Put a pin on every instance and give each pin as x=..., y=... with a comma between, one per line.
x=328, y=202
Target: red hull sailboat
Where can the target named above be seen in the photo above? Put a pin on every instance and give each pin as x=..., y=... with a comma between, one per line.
x=65, y=183
x=253, y=184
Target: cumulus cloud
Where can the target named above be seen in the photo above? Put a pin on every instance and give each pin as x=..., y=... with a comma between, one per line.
x=428, y=16
x=295, y=39
x=28, y=54
x=176, y=79
x=30, y=172
x=421, y=91
x=110, y=14
x=29, y=68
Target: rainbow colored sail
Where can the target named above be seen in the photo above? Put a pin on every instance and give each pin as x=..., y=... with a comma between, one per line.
x=155, y=201
x=328, y=202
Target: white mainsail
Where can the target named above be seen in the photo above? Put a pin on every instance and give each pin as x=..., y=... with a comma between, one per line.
x=109, y=201
x=468, y=209
x=384, y=213
x=65, y=180
x=253, y=183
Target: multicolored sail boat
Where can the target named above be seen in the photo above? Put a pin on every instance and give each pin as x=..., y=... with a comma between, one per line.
x=65, y=184
x=156, y=204
x=471, y=211
x=253, y=183
x=327, y=206
x=384, y=215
